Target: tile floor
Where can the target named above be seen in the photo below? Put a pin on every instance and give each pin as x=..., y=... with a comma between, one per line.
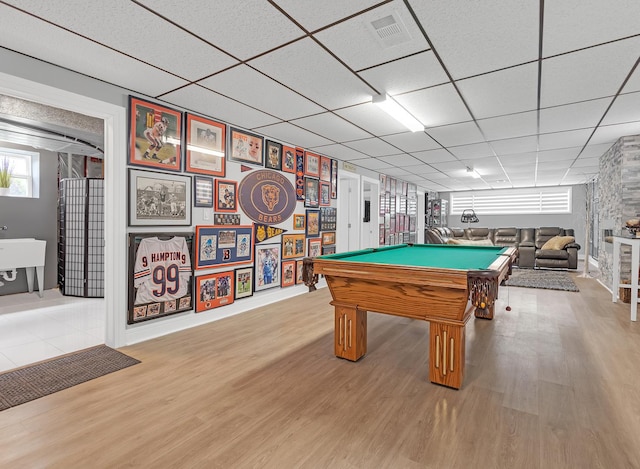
x=33, y=329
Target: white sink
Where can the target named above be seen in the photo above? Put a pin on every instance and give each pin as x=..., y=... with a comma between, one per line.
x=24, y=252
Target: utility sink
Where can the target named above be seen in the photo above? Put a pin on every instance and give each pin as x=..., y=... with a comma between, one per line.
x=24, y=252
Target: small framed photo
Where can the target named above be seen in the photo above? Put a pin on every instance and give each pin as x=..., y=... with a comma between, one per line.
x=159, y=199
x=203, y=191
x=244, y=282
x=299, y=267
x=334, y=179
x=315, y=247
x=246, y=147
x=328, y=250
x=325, y=169
x=226, y=200
x=206, y=143
x=273, y=158
x=313, y=224
x=155, y=135
x=325, y=194
x=214, y=290
x=328, y=237
x=311, y=188
x=311, y=164
x=267, y=266
x=298, y=221
x=292, y=245
x=288, y=274
x=288, y=159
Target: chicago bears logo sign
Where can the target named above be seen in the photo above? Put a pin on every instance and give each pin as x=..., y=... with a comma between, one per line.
x=267, y=197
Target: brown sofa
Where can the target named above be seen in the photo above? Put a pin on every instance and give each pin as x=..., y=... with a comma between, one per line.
x=529, y=242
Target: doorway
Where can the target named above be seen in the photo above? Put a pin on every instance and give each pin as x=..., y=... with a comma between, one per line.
x=370, y=217
x=349, y=214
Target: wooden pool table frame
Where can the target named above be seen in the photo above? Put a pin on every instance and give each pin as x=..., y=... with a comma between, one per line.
x=444, y=297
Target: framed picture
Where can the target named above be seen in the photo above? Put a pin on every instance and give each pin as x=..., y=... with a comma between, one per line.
x=226, y=219
x=159, y=285
x=325, y=169
x=203, y=191
x=311, y=164
x=328, y=250
x=273, y=158
x=292, y=245
x=315, y=246
x=206, y=144
x=299, y=267
x=223, y=245
x=288, y=159
x=226, y=199
x=298, y=222
x=328, y=218
x=155, y=135
x=159, y=199
x=328, y=237
x=311, y=196
x=313, y=224
x=299, y=173
x=325, y=194
x=334, y=179
x=267, y=266
x=246, y=147
x=244, y=282
x=214, y=290
x=288, y=277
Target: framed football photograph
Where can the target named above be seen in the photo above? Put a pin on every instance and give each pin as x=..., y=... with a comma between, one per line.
x=299, y=267
x=226, y=196
x=298, y=222
x=202, y=191
x=273, y=157
x=311, y=164
x=293, y=245
x=325, y=194
x=206, y=144
x=246, y=147
x=159, y=198
x=313, y=224
x=311, y=192
x=267, y=266
x=288, y=159
x=217, y=246
x=214, y=290
x=325, y=169
x=244, y=282
x=288, y=277
x=315, y=247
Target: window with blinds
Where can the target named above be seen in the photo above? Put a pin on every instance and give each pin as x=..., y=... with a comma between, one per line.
x=514, y=201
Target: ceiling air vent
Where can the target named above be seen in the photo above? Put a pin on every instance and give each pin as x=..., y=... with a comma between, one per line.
x=389, y=31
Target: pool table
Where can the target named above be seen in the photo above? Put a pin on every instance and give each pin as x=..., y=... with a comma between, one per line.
x=438, y=283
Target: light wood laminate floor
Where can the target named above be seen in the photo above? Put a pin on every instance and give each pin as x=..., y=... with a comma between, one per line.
x=554, y=383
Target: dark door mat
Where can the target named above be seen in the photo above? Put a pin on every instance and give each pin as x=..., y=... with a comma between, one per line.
x=31, y=382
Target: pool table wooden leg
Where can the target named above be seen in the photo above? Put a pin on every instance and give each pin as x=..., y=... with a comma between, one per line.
x=350, y=332
x=446, y=353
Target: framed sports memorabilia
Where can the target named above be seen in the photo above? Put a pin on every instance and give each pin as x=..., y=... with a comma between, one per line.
x=313, y=224
x=288, y=276
x=267, y=266
x=273, y=157
x=311, y=164
x=226, y=219
x=300, y=155
x=299, y=267
x=213, y=290
x=325, y=169
x=328, y=218
x=311, y=189
x=206, y=144
x=226, y=196
x=155, y=135
x=325, y=194
x=298, y=222
x=159, y=199
x=246, y=147
x=292, y=245
x=223, y=245
x=243, y=282
x=203, y=191
x=315, y=247
x=328, y=238
x=334, y=179
x=288, y=159
x=328, y=250
x=160, y=275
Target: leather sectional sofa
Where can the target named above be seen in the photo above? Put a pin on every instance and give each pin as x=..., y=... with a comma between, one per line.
x=529, y=241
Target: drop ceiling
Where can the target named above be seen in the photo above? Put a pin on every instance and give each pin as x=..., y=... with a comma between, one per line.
x=525, y=93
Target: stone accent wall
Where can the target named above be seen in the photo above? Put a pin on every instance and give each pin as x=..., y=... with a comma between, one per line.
x=619, y=200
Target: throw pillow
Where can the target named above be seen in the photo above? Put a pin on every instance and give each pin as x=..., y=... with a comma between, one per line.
x=557, y=243
x=470, y=242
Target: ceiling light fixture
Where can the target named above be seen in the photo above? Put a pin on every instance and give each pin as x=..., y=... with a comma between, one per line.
x=391, y=107
x=473, y=172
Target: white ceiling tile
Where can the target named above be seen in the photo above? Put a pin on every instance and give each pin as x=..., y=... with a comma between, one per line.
x=611, y=133
x=372, y=119
x=440, y=105
x=203, y=101
x=583, y=162
x=246, y=85
x=332, y=127
x=450, y=167
x=33, y=37
x=477, y=37
x=412, y=141
x=339, y=152
x=372, y=163
x=582, y=115
x=324, y=79
x=527, y=160
x=292, y=135
x=476, y=150
x=331, y=11
x=515, y=125
x=373, y=147
x=515, y=145
x=572, y=77
x=456, y=134
x=400, y=160
x=595, y=150
x=633, y=84
x=408, y=74
x=398, y=173
x=434, y=156
x=357, y=46
x=562, y=154
x=626, y=108
x=574, y=138
x=502, y=92
x=224, y=22
x=574, y=24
